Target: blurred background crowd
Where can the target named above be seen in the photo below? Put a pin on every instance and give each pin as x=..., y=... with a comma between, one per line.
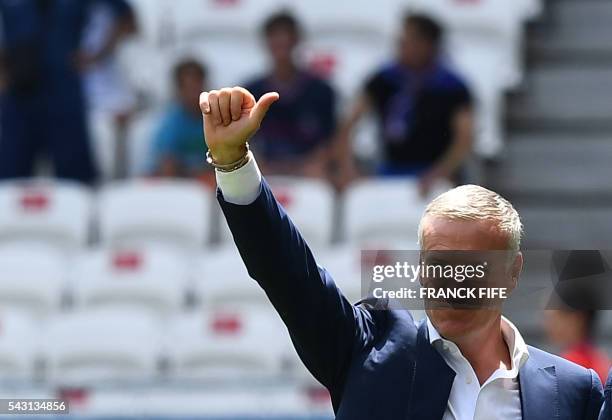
x=119, y=285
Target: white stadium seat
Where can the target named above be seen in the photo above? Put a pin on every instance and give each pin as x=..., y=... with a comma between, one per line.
x=325, y=17
x=55, y=214
x=140, y=136
x=346, y=60
x=86, y=348
x=271, y=401
x=31, y=279
x=172, y=213
x=247, y=61
x=346, y=44
x=19, y=347
x=226, y=345
x=221, y=281
x=309, y=203
x=529, y=9
x=144, y=57
x=385, y=210
x=212, y=17
x=147, y=278
x=202, y=29
x=344, y=265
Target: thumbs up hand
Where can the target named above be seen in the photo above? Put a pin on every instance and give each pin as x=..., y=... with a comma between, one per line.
x=231, y=118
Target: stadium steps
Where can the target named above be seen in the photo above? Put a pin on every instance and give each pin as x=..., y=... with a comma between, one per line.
x=580, y=29
x=572, y=96
x=557, y=166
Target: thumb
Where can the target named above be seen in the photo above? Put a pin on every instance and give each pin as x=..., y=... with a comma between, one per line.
x=263, y=105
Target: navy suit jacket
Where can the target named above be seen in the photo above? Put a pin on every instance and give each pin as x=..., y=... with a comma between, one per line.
x=606, y=410
x=377, y=364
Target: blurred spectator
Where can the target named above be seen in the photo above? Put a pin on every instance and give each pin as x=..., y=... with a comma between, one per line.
x=179, y=148
x=43, y=108
x=110, y=99
x=582, y=279
x=424, y=110
x=573, y=332
x=294, y=138
x=109, y=22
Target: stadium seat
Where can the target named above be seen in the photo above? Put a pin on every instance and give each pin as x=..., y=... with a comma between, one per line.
x=140, y=137
x=226, y=345
x=247, y=61
x=346, y=59
x=385, y=210
x=19, y=347
x=249, y=401
x=309, y=203
x=144, y=58
x=207, y=27
x=343, y=263
x=221, y=281
x=93, y=347
x=148, y=278
x=212, y=17
x=49, y=213
x=31, y=279
x=361, y=16
x=529, y=9
x=347, y=44
x=165, y=212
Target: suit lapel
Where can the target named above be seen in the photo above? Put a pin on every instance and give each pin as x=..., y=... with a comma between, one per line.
x=433, y=380
x=539, y=391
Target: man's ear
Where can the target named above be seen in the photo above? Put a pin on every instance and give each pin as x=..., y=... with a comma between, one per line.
x=516, y=269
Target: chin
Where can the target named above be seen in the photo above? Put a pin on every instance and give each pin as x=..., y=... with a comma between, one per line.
x=454, y=323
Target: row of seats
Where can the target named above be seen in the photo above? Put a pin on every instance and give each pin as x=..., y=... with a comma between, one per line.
x=184, y=214
x=344, y=44
x=41, y=282
x=103, y=346
x=278, y=400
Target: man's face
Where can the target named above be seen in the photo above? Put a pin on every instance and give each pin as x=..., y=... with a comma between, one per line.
x=442, y=234
x=190, y=86
x=281, y=43
x=414, y=49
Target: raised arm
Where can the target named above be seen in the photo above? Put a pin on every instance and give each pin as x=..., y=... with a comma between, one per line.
x=324, y=326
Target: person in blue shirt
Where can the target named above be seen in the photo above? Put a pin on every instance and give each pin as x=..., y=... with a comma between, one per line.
x=295, y=138
x=42, y=107
x=178, y=149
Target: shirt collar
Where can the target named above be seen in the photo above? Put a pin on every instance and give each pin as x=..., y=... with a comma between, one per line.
x=516, y=345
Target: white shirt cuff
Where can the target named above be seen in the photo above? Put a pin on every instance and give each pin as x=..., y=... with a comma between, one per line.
x=241, y=186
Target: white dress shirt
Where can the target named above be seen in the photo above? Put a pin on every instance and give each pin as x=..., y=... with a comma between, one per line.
x=241, y=186
x=499, y=396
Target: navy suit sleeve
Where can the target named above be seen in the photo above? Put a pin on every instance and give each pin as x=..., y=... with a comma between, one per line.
x=595, y=397
x=324, y=327
x=606, y=410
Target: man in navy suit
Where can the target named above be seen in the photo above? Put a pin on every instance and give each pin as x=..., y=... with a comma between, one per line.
x=375, y=362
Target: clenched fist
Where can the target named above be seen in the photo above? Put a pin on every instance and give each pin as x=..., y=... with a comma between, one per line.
x=231, y=117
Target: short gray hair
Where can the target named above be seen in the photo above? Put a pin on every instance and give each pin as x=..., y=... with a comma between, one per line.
x=472, y=202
